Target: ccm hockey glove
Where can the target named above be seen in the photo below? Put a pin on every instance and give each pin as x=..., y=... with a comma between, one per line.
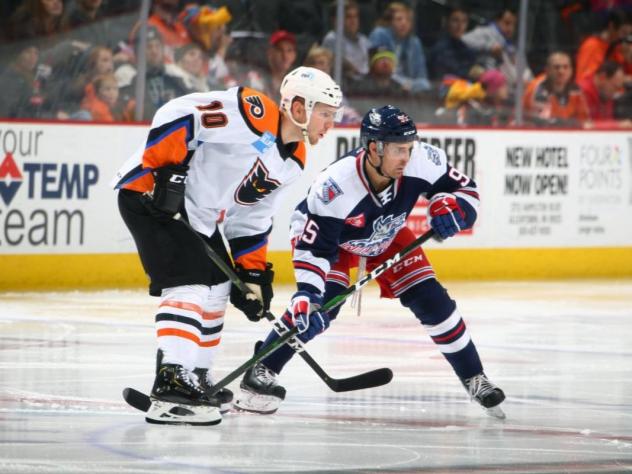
x=255, y=304
x=446, y=216
x=168, y=196
x=303, y=313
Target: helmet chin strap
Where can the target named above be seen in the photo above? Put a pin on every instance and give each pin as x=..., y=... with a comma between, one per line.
x=302, y=126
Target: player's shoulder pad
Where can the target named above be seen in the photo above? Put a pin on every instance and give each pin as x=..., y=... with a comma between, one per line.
x=336, y=190
x=260, y=113
x=427, y=162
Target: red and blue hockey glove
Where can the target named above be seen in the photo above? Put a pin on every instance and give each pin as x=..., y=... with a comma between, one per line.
x=446, y=216
x=303, y=313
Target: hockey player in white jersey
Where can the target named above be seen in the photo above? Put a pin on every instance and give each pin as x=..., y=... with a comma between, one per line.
x=208, y=157
x=357, y=209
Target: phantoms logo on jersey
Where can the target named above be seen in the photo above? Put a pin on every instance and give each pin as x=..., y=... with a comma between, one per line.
x=256, y=185
x=385, y=229
x=330, y=191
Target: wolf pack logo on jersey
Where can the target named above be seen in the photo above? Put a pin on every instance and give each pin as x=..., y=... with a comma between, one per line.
x=256, y=106
x=10, y=186
x=385, y=229
x=330, y=191
x=432, y=154
x=256, y=185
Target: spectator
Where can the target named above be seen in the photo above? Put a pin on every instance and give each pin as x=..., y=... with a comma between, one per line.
x=480, y=103
x=165, y=19
x=380, y=81
x=355, y=45
x=495, y=48
x=398, y=36
x=160, y=87
x=601, y=89
x=450, y=55
x=189, y=67
x=70, y=91
x=21, y=87
x=36, y=19
x=281, y=57
x=594, y=49
x=303, y=18
x=101, y=100
x=622, y=54
x=85, y=22
x=553, y=98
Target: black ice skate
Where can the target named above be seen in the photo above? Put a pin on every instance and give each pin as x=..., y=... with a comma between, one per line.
x=260, y=392
x=224, y=396
x=486, y=394
x=178, y=398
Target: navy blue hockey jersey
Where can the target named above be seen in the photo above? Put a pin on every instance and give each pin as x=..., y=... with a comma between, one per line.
x=342, y=211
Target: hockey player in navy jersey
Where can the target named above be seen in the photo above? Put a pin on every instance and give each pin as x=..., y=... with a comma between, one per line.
x=212, y=156
x=357, y=209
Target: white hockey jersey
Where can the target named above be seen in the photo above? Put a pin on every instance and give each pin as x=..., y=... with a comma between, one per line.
x=342, y=211
x=237, y=164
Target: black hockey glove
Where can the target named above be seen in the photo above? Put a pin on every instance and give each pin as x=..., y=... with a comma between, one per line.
x=168, y=196
x=260, y=282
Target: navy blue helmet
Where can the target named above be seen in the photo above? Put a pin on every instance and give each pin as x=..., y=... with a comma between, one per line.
x=387, y=124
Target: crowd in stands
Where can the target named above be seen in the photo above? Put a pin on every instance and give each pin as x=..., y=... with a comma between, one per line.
x=451, y=62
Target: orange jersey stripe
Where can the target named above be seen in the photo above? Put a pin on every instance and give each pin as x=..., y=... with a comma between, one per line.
x=206, y=315
x=260, y=113
x=187, y=335
x=255, y=260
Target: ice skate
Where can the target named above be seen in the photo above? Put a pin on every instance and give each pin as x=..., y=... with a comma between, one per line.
x=260, y=392
x=177, y=398
x=224, y=396
x=486, y=394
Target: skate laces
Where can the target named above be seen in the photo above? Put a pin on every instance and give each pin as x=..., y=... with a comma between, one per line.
x=479, y=386
x=265, y=375
x=187, y=377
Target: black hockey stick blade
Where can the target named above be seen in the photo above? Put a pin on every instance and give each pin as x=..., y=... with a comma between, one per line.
x=136, y=399
x=374, y=378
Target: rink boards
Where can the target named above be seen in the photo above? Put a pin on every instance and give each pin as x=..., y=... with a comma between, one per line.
x=555, y=204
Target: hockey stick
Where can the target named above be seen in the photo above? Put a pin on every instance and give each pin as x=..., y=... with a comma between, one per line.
x=142, y=402
x=373, y=378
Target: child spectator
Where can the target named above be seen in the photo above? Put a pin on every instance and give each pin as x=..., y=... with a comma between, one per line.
x=450, y=55
x=355, y=45
x=101, y=100
x=553, y=98
x=380, y=81
x=398, y=36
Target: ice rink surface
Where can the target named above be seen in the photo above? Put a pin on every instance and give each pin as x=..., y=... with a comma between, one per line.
x=562, y=351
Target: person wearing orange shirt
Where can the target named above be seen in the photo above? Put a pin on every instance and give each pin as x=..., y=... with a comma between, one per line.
x=553, y=98
x=594, y=49
x=601, y=90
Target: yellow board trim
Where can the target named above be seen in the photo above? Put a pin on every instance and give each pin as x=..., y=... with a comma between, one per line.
x=89, y=271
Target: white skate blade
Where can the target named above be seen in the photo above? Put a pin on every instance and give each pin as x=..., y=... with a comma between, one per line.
x=257, y=403
x=495, y=412
x=168, y=413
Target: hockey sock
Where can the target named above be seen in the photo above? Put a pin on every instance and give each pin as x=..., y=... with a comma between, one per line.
x=430, y=303
x=212, y=323
x=180, y=325
x=277, y=360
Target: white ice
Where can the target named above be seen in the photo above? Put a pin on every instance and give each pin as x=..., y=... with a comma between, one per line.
x=560, y=350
